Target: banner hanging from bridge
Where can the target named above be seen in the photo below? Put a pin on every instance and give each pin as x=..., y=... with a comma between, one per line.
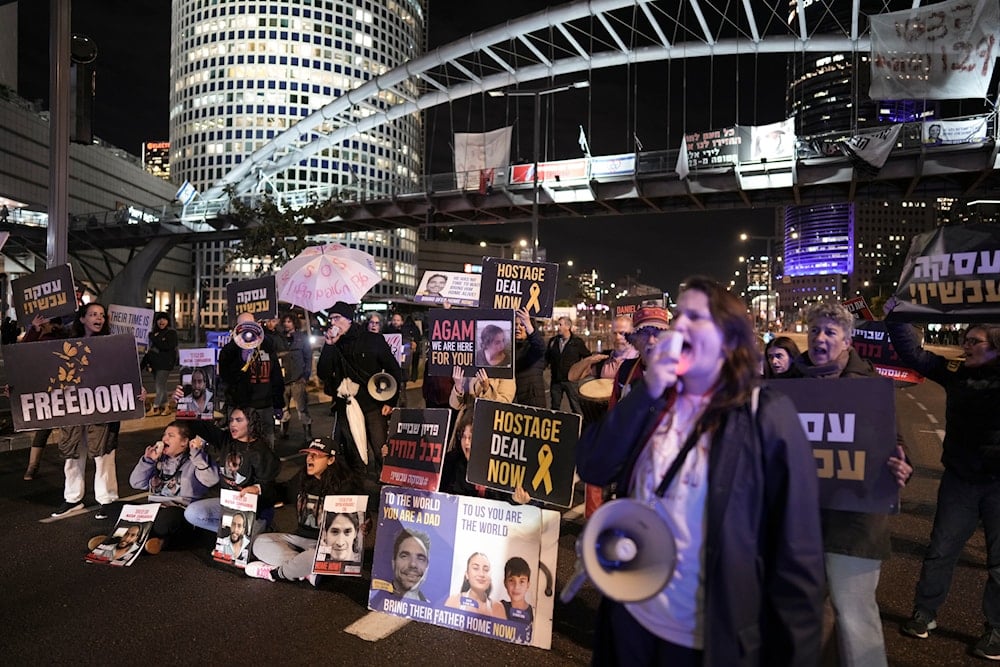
x=962, y=131
x=951, y=274
x=942, y=51
x=478, y=154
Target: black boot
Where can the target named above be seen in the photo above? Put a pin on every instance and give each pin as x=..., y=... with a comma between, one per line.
x=308, y=429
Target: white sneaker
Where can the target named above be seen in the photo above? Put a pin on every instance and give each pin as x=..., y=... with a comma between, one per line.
x=260, y=570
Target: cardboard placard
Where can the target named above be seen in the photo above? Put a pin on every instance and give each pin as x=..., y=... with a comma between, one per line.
x=511, y=283
x=258, y=296
x=471, y=339
x=417, y=443
x=50, y=293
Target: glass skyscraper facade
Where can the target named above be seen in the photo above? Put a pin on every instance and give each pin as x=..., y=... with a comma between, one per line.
x=243, y=71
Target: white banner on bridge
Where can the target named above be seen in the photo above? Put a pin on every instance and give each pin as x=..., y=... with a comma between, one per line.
x=480, y=152
x=937, y=52
x=962, y=131
x=873, y=148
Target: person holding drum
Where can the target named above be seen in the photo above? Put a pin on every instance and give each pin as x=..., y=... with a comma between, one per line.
x=727, y=468
x=596, y=375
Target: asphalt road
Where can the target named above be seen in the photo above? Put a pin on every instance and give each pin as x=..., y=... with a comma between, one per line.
x=180, y=608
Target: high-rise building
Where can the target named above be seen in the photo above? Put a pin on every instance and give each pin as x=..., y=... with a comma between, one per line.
x=243, y=71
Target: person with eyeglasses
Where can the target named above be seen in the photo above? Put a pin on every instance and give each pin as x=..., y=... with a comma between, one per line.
x=970, y=485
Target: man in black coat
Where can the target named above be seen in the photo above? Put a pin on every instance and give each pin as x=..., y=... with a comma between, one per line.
x=252, y=378
x=564, y=350
x=351, y=352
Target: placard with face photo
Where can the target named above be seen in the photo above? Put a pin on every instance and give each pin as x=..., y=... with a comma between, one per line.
x=479, y=566
x=124, y=544
x=232, y=542
x=340, y=548
x=471, y=339
x=458, y=289
x=198, y=379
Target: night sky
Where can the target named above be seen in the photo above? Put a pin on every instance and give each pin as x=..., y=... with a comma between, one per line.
x=647, y=101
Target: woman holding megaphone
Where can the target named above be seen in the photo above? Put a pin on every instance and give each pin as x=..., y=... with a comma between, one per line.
x=728, y=472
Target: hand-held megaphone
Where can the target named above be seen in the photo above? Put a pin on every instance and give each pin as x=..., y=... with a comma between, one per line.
x=626, y=550
x=248, y=335
x=382, y=386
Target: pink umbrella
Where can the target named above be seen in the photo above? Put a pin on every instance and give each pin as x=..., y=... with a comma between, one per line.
x=321, y=276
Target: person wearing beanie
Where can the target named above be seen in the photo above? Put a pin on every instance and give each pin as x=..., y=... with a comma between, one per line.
x=351, y=352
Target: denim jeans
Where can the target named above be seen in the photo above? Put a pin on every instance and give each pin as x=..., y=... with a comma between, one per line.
x=852, y=582
x=960, y=506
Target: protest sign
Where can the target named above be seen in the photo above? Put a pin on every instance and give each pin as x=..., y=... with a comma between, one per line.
x=628, y=305
x=49, y=293
x=135, y=322
x=517, y=445
x=471, y=339
x=395, y=342
x=232, y=543
x=198, y=380
x=458, y=289
x=340, y=548
x=417, y=443
x=258, y=296
x=871, y=342
x=126, y=541
x=425, y=544
x=511, y=283
x=73, y=381
x=851, y=426
x=951, y=275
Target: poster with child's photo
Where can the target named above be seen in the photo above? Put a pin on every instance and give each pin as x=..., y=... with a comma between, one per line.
x=198, y=381
x=341, y=545
x=232, y=543
x=127, y=540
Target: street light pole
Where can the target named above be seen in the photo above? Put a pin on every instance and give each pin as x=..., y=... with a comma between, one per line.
x=536, y=95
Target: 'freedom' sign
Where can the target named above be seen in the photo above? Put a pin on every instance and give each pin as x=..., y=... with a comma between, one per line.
x=517, y=445
x=73, y=382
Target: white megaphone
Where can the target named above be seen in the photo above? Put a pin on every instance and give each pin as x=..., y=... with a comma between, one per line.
x=626, y=550
x=382, y=386
x=248, y=335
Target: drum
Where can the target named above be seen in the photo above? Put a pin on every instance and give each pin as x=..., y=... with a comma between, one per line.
x=595, y=393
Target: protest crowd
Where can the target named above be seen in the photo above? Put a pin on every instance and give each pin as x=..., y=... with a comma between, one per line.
x=687, y=415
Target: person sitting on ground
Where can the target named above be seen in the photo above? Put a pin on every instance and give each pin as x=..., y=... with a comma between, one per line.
x=289, y=556
x=244, y=462
x=175, y=471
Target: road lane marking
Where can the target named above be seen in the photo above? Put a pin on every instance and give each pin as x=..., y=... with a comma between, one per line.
x=921, y=406
x=376, y=625
x=939, y=432
x=86, y=510
x=931, y=418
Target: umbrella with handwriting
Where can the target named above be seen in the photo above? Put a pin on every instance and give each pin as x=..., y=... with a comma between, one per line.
x=320, y=276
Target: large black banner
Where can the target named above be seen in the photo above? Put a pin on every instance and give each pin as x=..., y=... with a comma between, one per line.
x=952, y=274
x=510, y=283
x=851, y=425
x=73, y=382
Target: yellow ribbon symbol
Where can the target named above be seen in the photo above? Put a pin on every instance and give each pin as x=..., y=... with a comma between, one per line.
x=544, y=463
x=533, y=292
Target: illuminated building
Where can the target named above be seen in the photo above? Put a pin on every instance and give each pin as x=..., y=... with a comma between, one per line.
x=156, y=158
x=243, y=71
